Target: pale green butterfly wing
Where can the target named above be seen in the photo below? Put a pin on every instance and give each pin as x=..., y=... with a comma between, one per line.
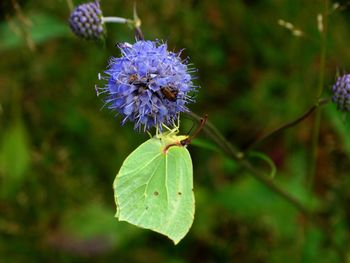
x=154, y=190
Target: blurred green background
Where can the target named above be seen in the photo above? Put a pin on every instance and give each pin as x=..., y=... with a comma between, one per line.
x=59, y=153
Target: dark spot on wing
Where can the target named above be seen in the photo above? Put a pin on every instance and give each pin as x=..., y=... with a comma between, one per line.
x=155, y=193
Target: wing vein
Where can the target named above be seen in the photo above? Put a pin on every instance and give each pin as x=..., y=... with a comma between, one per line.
x=142, y=167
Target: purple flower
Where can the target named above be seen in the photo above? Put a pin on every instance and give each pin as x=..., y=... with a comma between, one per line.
x=86, y=21
x=341, y=93
x=148, y=84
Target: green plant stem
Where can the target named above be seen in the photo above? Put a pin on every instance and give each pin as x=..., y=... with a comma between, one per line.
x=316, y=127
x=70, y=5
x=115, y=19
x=235, y=154
x=290, y=124
x=137, y=25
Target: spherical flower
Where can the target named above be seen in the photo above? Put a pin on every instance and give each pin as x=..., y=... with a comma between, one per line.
x=86, y=21
x=341, y=93
x=148, y=84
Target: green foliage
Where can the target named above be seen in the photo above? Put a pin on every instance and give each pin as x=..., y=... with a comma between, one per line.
x=263, y=203
x=94, y=220
x=14, y=159
x=59, y=152
x=40, y=28
x=154, y=188
x=341, y=126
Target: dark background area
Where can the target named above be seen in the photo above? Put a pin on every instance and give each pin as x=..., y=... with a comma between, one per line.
x=59, y=152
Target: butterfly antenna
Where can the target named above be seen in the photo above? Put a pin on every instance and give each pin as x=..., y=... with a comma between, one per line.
x=199, y=128
x=191, y=129
x=189, y=139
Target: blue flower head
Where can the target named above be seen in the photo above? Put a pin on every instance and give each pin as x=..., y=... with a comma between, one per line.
x=86, y=21
x=341, y=93
x=147, y=85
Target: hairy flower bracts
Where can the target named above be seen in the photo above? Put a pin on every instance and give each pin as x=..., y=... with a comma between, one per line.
x=147, y=85
x=86, y=21
x=341, y=93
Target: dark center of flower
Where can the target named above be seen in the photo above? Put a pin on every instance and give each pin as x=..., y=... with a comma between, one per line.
x=168, y=92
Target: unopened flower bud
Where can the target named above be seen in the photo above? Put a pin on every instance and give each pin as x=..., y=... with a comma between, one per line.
x=86, y=21
x=341, y=93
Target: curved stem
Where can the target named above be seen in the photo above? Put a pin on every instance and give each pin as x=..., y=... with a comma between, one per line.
x=235, y=154
x=290, y=124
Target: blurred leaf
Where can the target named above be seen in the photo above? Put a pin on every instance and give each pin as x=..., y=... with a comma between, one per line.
x=44, y=27
x=96, y=220
x=298, y=165
x=250, y=199
x=314, y=247
x=230, y=165
x=341, y=126
x=14, y=158
x=205, y=214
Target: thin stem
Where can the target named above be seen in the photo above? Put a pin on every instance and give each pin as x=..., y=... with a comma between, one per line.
x=290, y=124
x=217, y=137
x=70, y=5
x=202, y=122
x=138, y=33
x=235, y=154
x=115, y=19
x=315, y=136
x=232, y=152
x=137, y=25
